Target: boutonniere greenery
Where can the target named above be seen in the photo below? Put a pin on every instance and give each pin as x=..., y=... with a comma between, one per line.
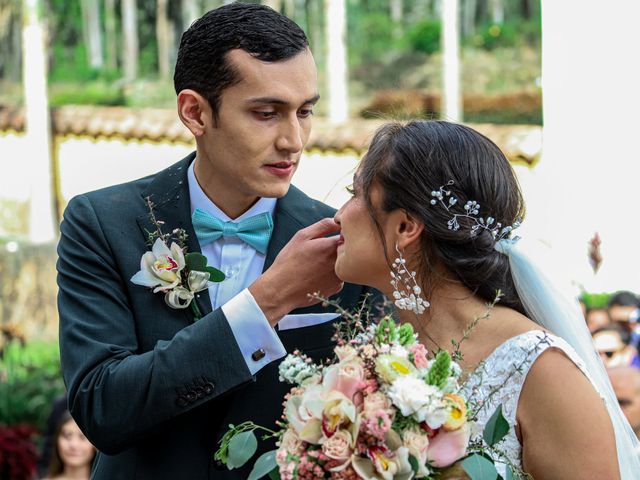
x=170, y=269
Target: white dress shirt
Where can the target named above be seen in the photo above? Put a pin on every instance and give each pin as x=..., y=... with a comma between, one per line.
x=242, y=265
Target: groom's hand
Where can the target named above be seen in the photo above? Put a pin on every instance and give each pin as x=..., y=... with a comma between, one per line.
x=304, y=266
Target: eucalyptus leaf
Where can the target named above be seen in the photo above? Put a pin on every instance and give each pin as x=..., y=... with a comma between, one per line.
x=264, y=465
x=241, y=448
x=496, y=429
x=274, y=474
x=479, y=468
x=509, y=475
x=196, y=261
x=413, y=461
x=215, y=275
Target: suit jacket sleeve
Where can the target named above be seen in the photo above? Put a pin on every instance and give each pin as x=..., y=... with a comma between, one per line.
x=118, y=393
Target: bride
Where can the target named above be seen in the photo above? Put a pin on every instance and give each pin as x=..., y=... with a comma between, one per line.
x=444, y=199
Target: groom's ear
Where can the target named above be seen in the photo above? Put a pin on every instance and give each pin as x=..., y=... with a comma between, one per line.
x=408, y=229
x=193, y=109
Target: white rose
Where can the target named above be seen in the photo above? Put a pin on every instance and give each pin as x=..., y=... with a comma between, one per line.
x=414, y=397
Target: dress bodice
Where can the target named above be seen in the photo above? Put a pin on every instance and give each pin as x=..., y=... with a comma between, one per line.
x=499, y=378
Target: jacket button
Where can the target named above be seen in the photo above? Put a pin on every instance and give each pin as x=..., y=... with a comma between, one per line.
x=191, y=396
x=199, y=391
x=181, y=401
x=258, y=355
x=208, y=388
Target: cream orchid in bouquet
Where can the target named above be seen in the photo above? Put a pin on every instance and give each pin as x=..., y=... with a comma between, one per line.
x=383, y=410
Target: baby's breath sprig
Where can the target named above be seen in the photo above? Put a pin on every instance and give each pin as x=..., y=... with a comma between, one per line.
x=354, y=324
x=472, y=212
x=456, y=355
x=179, y=235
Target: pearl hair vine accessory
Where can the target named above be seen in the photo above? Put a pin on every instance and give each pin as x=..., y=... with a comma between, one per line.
x=406, y=291
x=472, y=212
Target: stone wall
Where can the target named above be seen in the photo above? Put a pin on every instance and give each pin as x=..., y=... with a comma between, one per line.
x=28, y=289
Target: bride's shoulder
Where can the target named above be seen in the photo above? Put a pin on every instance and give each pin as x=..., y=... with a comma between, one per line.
x=557, y=373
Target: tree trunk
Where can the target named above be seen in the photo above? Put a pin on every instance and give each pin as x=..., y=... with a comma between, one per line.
x=111, y=34
x=396, y=10
x=314, y=20
x=497, y=11
x=38, y=125
x=211, y=4
x=190, y=12
x=130, y=36
x=10, y=43
x=420, y=10
x=163, y=37
x=275, y=4
x=469, y=18
x=290, y=8
x=92, y=32
x=451, y=98
x=337, y=60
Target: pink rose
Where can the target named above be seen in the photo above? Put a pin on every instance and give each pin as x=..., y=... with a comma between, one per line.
x=419, y=355
x=445, y=448
x=339, y=446
x=345, y=377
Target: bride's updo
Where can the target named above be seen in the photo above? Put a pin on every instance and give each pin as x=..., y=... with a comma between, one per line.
x=410, y=161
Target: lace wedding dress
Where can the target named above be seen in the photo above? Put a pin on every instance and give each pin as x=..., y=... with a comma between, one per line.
x=499, y=378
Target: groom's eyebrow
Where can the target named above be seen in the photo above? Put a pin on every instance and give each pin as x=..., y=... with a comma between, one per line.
x=278, y=101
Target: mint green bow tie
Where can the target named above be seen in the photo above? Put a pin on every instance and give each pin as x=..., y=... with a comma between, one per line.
x=255, y=231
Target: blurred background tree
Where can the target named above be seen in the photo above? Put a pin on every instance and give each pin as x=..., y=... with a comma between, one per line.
x=121, y=52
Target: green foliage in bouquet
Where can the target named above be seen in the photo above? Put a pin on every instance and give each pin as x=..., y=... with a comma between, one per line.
x=396, y=365
x=387, y=331
x=30, y=379
x=440, y=370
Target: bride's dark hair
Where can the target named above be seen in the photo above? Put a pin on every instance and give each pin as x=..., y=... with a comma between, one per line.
x=409, y=161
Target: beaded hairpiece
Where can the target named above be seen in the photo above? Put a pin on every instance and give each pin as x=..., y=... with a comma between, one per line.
x=472, y=212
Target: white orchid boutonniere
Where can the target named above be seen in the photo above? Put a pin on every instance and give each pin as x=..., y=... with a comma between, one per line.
x=179, y=275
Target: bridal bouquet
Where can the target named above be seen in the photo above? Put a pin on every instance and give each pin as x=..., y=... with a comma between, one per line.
x=383, y=410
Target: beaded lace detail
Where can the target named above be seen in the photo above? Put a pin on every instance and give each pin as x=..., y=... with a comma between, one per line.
x=499, y=378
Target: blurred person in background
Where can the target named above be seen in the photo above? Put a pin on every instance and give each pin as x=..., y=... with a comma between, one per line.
x=626, y=384
x=596, y=318
x=72, y=454
x=612, y=343
x=624, y=308
x=58, y=409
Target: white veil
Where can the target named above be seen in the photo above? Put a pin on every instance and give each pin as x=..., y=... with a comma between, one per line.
x=549, y=304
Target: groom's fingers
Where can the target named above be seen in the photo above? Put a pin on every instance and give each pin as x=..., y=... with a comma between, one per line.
x=322, y=228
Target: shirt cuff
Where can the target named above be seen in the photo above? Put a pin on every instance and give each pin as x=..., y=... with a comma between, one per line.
x=258, y=341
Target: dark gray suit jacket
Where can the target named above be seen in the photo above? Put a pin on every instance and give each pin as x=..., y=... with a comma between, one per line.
x=153, y=390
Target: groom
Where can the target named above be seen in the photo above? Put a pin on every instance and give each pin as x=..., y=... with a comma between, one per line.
x=153, y=388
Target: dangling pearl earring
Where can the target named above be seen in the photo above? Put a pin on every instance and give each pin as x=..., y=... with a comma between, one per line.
x=406, y=291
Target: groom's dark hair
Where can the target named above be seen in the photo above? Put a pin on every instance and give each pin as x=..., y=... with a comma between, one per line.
x=202, y=63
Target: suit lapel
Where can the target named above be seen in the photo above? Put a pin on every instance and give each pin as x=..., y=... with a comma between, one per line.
x=169, y=192
x=286, y=223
